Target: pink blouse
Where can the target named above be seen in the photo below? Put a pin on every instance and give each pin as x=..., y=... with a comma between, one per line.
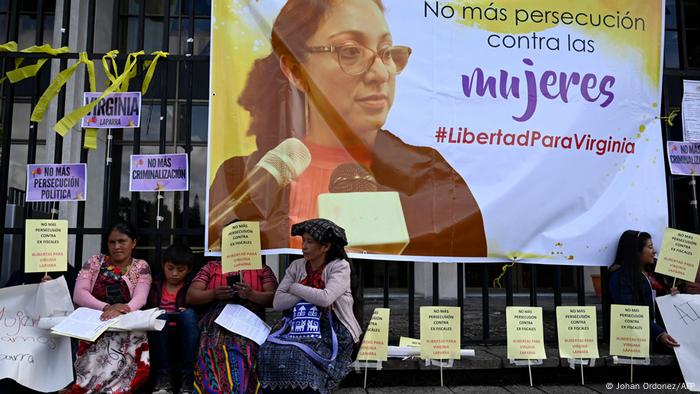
x=138, y=279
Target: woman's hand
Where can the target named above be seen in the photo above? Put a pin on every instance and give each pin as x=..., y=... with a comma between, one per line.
x=674, y=291
x=244, y=290
x=223, y=293
x=45, y=278
x=668, y=340
x=112, y=311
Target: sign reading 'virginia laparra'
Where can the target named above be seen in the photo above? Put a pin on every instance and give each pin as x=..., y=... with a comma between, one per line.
x=115, y=111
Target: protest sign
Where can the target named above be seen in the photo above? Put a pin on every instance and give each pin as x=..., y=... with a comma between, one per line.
x=690, y=110
x=376, y=339
x=46, y=245
x=409, y=342
x=241, y=247
x=157, y=173
x=629, y=330
x=679, y=255
x=119, y=110
x=29, y=355
x=683, y=157
x=56, y=182
x=577, y=332
x=569, y=87
x=440, y=338
x=525, y=333
x=681, y=314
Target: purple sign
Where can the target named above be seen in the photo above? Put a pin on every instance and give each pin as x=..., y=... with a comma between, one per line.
x=684, y=157
x=115, y=111
x=155, y=173
x=56, y=182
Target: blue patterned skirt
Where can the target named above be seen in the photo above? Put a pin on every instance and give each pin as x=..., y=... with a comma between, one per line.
x=282, y=367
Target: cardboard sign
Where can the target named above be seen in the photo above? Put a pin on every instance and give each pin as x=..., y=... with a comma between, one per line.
x=681, y=315
x=46, y=245
x=409, y=342
x=577, y=332
x=115, y=111
x=679, y=255
x=683, y=157
x=31, y=355
x=56, y=182
x=439, y=332
x=156, y=173
x=240, y=247
x=376, y=341
x=629, y=330
x=525, y=333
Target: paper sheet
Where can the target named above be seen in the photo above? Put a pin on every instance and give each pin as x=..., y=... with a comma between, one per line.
x=84, y=323
x=681, y=315
x=30, y=355
x=240, y=320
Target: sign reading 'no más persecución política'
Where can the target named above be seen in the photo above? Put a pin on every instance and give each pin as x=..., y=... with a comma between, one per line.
x=56, y=182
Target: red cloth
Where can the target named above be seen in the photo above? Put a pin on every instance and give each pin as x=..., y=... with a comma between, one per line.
x=314, y=278
x=167, y=300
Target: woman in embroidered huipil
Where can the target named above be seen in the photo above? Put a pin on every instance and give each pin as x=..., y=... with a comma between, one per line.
x=116, y=283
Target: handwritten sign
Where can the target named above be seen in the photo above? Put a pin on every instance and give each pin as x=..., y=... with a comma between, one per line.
x=46, y=245
x=577, y=332
x=525, y=333
x=376, y=341
x=629, y=330
x=679, y=255
x=409, y=342
x=28, y=354
x=681, y=315
x=240, y=247
x=439, y=332
x=119, y=110
x=156, y=173
x=56, y=182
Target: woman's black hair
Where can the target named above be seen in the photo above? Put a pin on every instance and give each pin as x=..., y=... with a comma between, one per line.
x=125, y=228
x=277, y=107
x=628, y=257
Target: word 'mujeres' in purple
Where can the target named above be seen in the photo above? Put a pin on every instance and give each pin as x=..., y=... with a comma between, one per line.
x=551, y=86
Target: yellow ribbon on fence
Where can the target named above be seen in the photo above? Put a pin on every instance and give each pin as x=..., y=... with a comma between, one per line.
x=8, y=47
x=68, y=121
x=21, y=73
x=57, y=84
x=504, y=269
x=151, y=64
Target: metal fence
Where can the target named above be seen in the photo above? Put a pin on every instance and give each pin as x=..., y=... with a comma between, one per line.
x=176, y=121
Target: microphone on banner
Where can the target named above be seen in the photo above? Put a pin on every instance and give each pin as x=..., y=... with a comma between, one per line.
x=279, y=166
x=373, y=220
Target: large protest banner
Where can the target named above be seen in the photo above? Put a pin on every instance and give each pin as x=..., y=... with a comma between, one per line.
x=503, y=130
x=32, y=356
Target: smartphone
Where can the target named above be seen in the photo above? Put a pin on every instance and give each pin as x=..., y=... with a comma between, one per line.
x=232, y=280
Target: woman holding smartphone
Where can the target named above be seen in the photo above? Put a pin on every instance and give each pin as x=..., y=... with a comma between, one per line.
x=225, y=361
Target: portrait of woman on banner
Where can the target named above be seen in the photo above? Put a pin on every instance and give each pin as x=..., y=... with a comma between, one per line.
x=317, y=106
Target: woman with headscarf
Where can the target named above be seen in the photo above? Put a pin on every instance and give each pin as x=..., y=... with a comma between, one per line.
x=312, y=351
x=633, y=283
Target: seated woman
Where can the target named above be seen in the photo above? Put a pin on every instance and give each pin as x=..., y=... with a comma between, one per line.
x=116, y=284
x=225, y=362
x=632, y=283
x=318, y=284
